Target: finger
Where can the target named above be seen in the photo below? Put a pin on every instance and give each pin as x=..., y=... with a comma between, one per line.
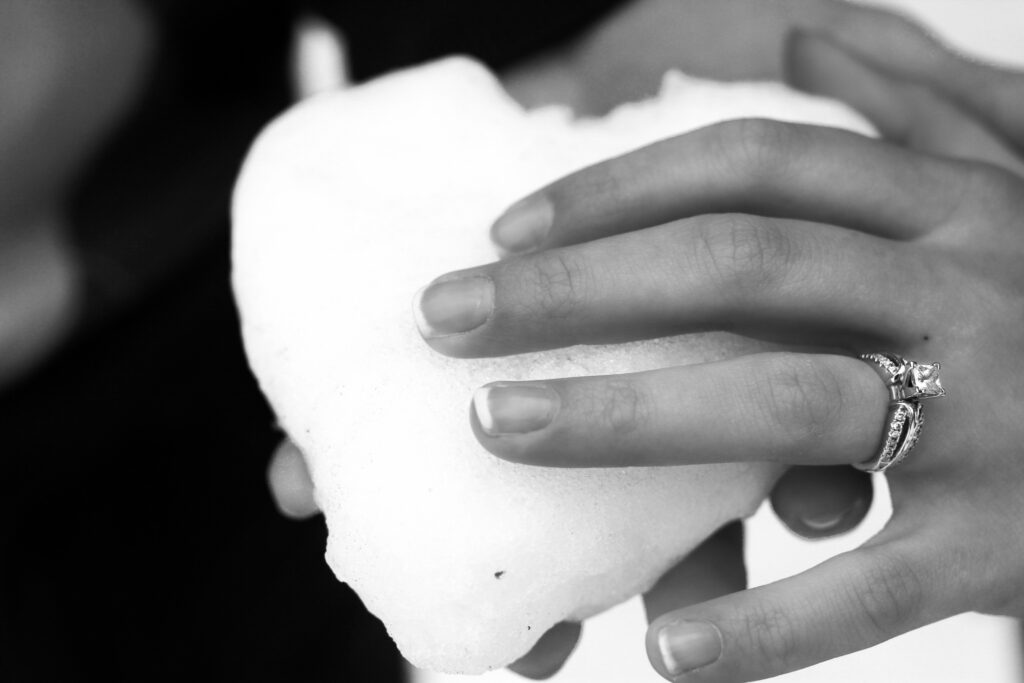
x=849, y=603
x=550, y=653
x=713, y=569
x=753, y=166
x=818, y=502
x=896, y=45
x=290, y=484
x=784, y=407
x=905, y=112
x=765, y=277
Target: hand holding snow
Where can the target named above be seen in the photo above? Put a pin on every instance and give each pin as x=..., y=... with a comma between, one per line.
x=346, y=207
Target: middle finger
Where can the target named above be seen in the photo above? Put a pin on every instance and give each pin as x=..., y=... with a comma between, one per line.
x=764, y=277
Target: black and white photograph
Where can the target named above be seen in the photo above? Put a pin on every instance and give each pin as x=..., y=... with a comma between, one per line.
x=444, y=341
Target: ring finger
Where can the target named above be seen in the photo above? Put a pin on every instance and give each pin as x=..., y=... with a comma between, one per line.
x=785, y=407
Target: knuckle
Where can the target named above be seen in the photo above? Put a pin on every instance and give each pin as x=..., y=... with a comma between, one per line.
x=617, y=405
x=889, y=595
x=757, y=149
x=557, y=284
x=743, y=255
x=771, y=635
x=803, y=397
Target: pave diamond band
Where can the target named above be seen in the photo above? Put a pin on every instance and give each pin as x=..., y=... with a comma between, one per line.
x=905, y=420
x=908, y=383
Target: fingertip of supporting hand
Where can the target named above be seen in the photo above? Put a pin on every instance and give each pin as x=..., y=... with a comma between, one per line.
x=820, y=502
x=550, y=653
x=290, y=484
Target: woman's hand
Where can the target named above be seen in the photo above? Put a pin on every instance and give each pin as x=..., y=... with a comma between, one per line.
x=811, y=237
x=812, y=500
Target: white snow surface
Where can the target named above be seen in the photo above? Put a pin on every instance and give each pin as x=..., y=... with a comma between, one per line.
x=350, y=203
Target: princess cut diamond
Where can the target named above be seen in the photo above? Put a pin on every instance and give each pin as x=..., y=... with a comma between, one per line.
x=925, y=379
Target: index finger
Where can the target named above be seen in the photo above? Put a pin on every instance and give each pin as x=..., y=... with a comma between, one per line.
x=756, y=166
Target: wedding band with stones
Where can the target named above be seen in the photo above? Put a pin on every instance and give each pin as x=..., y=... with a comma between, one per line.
x=905, y=420
x=908, y=383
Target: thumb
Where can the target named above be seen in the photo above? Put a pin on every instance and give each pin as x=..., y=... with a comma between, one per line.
x=851, y=602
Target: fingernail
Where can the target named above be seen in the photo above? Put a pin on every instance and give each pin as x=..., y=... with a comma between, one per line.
x=514, y=408
x=454, y=306
x=689, y=645
x=823, y=521
x=524, y=225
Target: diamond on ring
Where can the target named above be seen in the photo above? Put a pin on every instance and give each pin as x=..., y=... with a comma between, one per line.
x=908, y=383
x=906, y=379
x=925, y=380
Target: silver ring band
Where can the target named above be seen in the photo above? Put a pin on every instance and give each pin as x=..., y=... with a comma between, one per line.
x=905, y=421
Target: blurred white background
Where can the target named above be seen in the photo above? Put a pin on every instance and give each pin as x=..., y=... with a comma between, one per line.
x=969, y=648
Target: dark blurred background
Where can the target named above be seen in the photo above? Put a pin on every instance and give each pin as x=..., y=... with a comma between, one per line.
x=138, y=541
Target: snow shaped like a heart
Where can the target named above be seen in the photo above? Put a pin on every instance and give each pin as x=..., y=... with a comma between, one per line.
x=349, y=204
